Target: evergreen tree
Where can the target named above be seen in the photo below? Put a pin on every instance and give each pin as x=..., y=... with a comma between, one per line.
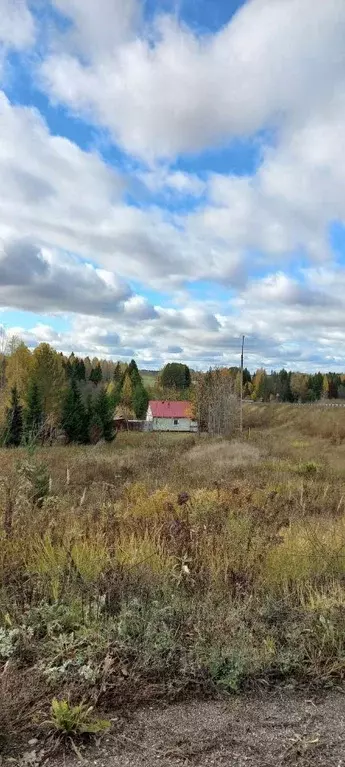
x=334, y=382
x=74, y=416
x=175, y=375
x=14, y=421
x=284, y=388
x=140, y=400
x=75, y=368
x=96, y=374
x=117, y=375
x=80, y=370
x=68, y=368
x=316, y=385
x=104, y=412
x=88, y=367
x=34, y=412
x=95, y=428
x=134, y=373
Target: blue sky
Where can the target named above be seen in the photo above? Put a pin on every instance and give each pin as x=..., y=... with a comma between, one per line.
x=171, y=177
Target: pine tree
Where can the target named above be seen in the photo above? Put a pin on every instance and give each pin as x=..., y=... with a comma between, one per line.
x=75, y=368
x=88, y=367
x=284, y=388
x=140, y=400
x=175, y=375
x=316, y=385
x=95, y=429
x=117, y=375
x=134, y=373
x=70, y=365
x=14, y=421
x=104, y=412
x=34, y=411
x=96, y=374
x=74, y=416
x=80, y=370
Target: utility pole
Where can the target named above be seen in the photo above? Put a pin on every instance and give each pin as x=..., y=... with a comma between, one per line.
x=241, y=388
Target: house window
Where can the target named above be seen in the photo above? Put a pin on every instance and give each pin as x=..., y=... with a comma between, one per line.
x=176, y=422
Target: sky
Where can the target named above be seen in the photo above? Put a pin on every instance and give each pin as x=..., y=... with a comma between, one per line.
x=172, y=177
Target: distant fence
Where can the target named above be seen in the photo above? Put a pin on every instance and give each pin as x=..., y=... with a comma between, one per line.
x=122, y=424
x=298, y=404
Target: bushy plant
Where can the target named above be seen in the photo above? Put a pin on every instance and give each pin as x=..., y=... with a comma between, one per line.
x=74, y=721
x=307, y=469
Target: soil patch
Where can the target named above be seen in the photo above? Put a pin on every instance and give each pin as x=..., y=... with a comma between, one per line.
x=259, y=731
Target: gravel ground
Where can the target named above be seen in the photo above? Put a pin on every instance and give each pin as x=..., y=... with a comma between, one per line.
x=265, y=731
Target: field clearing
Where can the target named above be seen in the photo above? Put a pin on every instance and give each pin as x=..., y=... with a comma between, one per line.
x=166, y=566
x=149, y=379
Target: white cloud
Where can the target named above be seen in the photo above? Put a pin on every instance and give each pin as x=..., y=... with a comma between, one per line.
x=17, y=27
x=17, y=30
x=169, y=91
x=283, y=290
x=98, y=29
x=165, y=90
x=173, y=182
x=285, y=209
x=84, y=213
x=284, y=326
x=33, y=278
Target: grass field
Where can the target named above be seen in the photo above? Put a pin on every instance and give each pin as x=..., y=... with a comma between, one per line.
x=149, y=379
x=164, y=566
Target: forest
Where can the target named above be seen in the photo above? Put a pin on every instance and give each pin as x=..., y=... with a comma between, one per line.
x=48, y=396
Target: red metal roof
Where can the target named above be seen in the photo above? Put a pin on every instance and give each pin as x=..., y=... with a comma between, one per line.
x=165, y=409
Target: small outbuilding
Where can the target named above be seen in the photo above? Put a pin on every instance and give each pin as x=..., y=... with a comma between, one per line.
x=170, y=416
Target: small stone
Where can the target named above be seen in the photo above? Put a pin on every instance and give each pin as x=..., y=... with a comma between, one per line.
x=33, y=741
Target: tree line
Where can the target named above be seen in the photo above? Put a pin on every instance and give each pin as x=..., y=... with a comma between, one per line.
x=288, y=386
x=281, y=386
x=45, y=395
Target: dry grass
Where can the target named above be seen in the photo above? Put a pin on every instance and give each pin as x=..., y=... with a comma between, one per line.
x=164, y=563
x=223, y=455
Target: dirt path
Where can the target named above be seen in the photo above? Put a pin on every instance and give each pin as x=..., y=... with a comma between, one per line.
x=270, y=731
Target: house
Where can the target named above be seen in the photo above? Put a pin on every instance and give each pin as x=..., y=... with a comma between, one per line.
x=170, y=416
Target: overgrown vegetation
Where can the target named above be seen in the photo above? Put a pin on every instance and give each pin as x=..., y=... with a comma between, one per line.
x=170, y=565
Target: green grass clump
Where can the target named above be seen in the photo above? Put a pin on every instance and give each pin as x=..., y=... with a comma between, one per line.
x=75, y=721
x=307, y=468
